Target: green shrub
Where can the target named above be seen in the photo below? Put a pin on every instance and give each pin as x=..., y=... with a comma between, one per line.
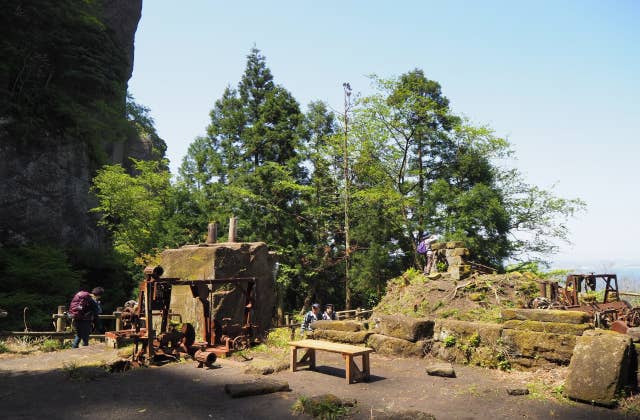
x=51, y=344
x=450, y=341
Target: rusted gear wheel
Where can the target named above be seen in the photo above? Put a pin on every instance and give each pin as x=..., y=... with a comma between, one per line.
x=633, y=317
x=241, y=342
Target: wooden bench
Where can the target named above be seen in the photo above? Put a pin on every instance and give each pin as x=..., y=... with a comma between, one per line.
x=353, y=373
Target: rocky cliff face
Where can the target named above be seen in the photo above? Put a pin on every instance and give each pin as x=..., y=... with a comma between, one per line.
x=46, y=167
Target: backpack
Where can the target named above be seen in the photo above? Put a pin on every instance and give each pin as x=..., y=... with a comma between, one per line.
x=422, y=247
x=80, y=305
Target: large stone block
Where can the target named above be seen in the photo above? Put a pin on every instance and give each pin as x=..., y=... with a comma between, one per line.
x=455, y=244
x=358, y=337
x=404, y=327
x=456, y=252
x=556, y=348
x=600, y=367
x=455, y=261
x=222, y=261
x=463, y=330
x=394, y=346
x=438, y=245
x=459, y=272
x=548, y=327
x=546, y=315
x=351, y=326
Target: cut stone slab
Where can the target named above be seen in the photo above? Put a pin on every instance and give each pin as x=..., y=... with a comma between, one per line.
x=348, y=337
x=462, y=330
x=459, y=272
x=556, y=348
x=350, y=326
x=548, y=327
x=546, y=315
x=394, y=346
x=457, y=260
x=441, y=369
x=455, y=244
x=266, y=367
x=404, y=327
x=434, y=276
x=456, y=252
x=260, y=387
x=600, y=367
x=438, y=245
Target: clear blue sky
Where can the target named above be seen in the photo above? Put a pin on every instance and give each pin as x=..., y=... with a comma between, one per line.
x=560, y=79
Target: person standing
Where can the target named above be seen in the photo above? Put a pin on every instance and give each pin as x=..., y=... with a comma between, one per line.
x=425, y=248
x=328, y=314
x=311, y=316
x=83, y=310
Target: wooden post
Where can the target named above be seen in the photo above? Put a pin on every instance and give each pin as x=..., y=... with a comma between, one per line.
x=233, y=229
x=61, y=323
x=149, y=318
x=212, y=233
x=118, y=320
x=286, y=319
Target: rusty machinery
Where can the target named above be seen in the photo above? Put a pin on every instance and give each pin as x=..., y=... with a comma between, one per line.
x=220, y=337
x=579, y=294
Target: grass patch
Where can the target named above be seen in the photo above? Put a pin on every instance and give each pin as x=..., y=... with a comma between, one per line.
x=325, y=407
x=542, y=392
x=51, y=344
x=3, y=347
x=85, y=372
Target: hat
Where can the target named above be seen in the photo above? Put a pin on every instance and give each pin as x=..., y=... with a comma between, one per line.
x=98, y=291
x=329, y=305
x=316, y=305
x=425, y=235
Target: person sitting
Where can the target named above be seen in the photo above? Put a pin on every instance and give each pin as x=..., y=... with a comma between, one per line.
x=309, y=318
x=328, y=314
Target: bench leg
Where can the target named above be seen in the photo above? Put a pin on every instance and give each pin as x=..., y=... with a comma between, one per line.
x=352, y=372
x=366, y=368
x=294, y=359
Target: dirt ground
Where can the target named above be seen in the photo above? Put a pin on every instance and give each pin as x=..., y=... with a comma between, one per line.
x=38, y=385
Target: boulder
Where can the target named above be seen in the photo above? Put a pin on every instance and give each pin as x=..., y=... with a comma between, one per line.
x=556, y=348
x=548, y=327
x=404, y=327
x=394, y=346
x=441, y=369
x=348, y=337
x=546, y=315
x=351, y=326
x=600, y=367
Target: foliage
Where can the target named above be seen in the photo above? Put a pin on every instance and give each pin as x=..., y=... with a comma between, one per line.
x=450, y=341
x=63, y=73
x=37, y=277
x=3, y=347
x=52, y=344
x=326, y=407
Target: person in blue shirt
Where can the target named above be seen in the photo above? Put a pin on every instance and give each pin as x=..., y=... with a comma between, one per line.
x=311, y=316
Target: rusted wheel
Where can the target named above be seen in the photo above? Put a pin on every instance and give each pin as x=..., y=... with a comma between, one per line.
x=241, y=342
x=633, y=317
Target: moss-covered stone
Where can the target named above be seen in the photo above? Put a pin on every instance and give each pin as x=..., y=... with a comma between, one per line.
x=546, y=315
x=438, y=245
x=463, y=330
x=394, y=346
x=455, y=244
x=548, y=327
x=350, y=326
x=349, y=337
x=457, y=252
x=556, y=348
x=404, y=327
x=600, y=367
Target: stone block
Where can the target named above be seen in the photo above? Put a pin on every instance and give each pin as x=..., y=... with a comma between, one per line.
x=600, y=367
x=463, y=330
x=404, y=327
x=348, y=337
x=456, y=252
x=548, y=327
x=441, y=369
x=438, y=245
x=546, y=315
x=457, y=260
x=556, y=348
x=350, y=326
x=394, y=346
x=459, y=272
x=455, y=244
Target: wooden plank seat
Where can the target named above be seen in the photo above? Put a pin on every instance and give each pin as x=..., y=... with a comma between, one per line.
x=353, y=373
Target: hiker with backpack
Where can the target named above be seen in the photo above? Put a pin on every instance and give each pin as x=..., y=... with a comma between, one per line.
x=424, y=247
x=84, y=310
